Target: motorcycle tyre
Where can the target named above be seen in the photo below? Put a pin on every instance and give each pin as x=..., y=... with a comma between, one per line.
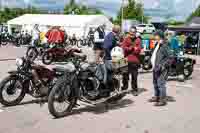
x=52, y=110
x=13, y=103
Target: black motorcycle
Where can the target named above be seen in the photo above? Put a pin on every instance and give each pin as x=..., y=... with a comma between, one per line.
x=5, y=39
x=36, y=51
x=14, y=87
x=145, y=60
x=181, y=66
x=81, y=83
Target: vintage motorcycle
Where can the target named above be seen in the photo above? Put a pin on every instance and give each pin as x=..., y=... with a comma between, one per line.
x=5, y=39
x=36, y=51
x=82, y=83
x=55, y=54
x=14, y=87
x=181, y=66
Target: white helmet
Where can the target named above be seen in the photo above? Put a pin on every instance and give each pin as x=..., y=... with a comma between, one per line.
x=117, y=53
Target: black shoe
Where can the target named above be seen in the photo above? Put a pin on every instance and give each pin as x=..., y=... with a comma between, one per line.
x=135, y=92
x=162, y=102
x=124, y=88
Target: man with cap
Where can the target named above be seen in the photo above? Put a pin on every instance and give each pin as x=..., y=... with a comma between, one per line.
x=132, y=49
x=161, y=59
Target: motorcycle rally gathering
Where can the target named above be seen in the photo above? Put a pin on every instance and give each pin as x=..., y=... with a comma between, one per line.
x=133, y=67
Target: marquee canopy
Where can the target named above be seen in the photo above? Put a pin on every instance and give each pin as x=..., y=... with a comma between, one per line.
x=73, y=23
x=59, y=20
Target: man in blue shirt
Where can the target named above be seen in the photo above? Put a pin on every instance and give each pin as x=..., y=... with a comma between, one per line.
x=110, y=41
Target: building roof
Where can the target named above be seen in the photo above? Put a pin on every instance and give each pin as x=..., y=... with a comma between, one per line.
x=194, y=22
x=59, y=20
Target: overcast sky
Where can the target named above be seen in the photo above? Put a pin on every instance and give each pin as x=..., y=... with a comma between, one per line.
x=182, y=8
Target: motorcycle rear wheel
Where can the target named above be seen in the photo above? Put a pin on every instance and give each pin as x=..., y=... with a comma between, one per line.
x=11, y=91
x=62, y=96
x=4, y=43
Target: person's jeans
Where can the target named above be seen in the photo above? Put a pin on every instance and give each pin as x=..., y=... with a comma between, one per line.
x=159, y=83
x=133, y=70
x=108, y=71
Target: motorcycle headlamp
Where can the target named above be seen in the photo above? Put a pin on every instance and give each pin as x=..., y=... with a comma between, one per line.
x=19, y=62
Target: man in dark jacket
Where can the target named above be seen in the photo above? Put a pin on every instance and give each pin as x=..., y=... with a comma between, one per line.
x=161, y=60
x=132, y=49
x=99, y=36
x=111, y=41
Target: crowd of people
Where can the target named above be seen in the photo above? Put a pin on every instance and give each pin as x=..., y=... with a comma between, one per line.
x=131, y=45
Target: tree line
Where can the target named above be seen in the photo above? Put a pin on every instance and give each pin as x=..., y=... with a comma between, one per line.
x=132, y=10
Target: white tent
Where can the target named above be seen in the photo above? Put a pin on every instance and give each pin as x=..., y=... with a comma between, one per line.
x=73, y=24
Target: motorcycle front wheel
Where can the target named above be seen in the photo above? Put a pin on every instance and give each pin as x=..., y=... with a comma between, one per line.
x=61, y=101
x=47, y=58
x=11, y=91
x=32, y=53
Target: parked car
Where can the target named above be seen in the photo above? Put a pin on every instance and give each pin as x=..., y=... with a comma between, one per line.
x=145, y=28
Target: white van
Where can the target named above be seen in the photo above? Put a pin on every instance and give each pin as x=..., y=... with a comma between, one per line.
x=145, y=28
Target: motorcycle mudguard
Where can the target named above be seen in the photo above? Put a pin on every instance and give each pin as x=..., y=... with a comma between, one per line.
x=13, y=72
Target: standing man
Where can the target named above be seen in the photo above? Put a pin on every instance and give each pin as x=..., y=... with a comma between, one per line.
x=161, y=59
x=99, y=36
x=55, y=35
x=35, y=35
x=91, y=35
x=174, y=43
x=111, y=41
x=132, y=49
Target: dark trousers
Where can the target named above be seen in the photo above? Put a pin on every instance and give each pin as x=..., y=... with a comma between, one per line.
x=159, y=83
x=133, y=70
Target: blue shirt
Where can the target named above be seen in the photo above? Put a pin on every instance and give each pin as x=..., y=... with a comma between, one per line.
x=110, y=42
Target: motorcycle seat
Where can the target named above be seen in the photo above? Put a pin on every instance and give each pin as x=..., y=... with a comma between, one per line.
x=59, y=69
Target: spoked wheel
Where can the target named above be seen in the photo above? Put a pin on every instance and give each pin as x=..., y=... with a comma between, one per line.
x=47, y=58
x=61, y=101
x=4, y=43
x=11, y=91
x=79, y=43
x=32, y=53
x=188, y=69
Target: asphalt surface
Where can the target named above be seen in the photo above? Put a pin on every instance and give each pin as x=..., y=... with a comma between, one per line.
x=130, y=115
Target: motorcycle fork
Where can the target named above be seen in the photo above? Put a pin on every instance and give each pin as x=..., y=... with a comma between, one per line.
x=11, y=88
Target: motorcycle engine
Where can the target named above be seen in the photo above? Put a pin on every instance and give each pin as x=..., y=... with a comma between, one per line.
x=92, y=88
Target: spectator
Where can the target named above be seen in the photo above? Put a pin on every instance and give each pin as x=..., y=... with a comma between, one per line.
x=132, y=49
x=99, y=36
x=174, y=44
x=111, y=40
x=91, y=35
x=35, y=35
x=160, y=61
x=55, y=36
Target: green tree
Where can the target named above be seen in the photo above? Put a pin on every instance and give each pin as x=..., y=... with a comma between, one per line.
x=196, y=13
x=73, y=8
x=132, y=10
x=10, y=13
